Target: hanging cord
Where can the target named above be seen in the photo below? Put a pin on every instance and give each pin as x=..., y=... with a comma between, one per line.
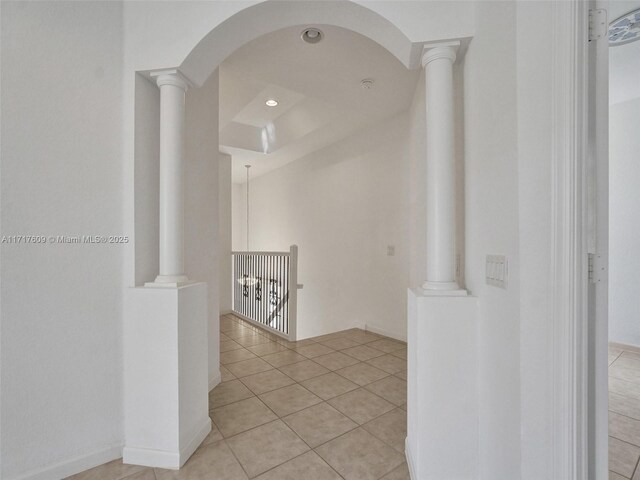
x=247, y=167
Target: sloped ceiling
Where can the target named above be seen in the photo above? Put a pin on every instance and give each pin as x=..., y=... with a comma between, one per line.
x=319, y=91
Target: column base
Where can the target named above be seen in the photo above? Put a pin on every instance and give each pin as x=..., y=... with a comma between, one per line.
x=168, y=281
x=447, y=289
x=442, y=398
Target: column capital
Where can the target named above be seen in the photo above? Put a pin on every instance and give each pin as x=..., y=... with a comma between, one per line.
x=436, y=51
x=171, y=77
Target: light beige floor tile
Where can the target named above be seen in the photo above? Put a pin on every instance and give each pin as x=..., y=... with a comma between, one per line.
x=358, y=455
x=238, y=332
x=229, y=345
x=622, y=387
x=213, y=461
x=319, y=424
x=266, y=348
x=399, y=473
x=226, y=375
x=213, y=437
x=361, y=406
x=626, y=367
x=363, y=353
x=362, y=373
x=391, y=428
x=329, y=385
x=228, y=392
x=307, y=466
x=612, y=358
x=248, y=367
x=252, y=340
x=627, y=406
x=287, y=400
x=386, y=345
x=402, y=375
x=624, y=428
x=400, y=353
x=363, y=337
x=114, y=470
x=266, y=381
x=265, y=447
x=148, y=474
x=389, y=363
x=335, y=360
x=315, y=350
x=233, y=356
x=286, y=357
x=331, y=336
x=615, y=476
x=298, y=344
x=240, y=416
x=340, y=343
x=623, y=457
x=390, y=388
x=301, y=371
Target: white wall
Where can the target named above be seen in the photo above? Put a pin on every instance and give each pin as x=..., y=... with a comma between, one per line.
x=491, y=209
x=342, y=206
x=202, y=255
x=624, y=222
x=61, y=363
x=224, y=231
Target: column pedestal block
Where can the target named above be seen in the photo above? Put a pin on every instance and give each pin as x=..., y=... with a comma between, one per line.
x=166, y=379
x=442, y=396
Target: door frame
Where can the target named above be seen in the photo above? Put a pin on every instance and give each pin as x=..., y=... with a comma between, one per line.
x=579, y=244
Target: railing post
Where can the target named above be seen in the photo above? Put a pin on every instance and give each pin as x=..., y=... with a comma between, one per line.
x=293, y=293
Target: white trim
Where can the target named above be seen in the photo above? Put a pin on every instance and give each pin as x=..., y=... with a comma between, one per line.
x=410, y=462
x=386, y=333
x=73, y=466
x=215, y=380
x=226, y=312
x=171, y=460
x=568, y=282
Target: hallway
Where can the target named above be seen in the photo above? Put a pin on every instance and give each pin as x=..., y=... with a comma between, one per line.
x=327, y=408
x=624, y=412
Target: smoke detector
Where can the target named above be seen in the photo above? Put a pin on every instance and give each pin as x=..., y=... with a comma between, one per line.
x=367, y=83
x=625, y=29
x=312, y=35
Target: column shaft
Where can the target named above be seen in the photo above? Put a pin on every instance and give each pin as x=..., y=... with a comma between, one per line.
x=172, y=111
x=441, y=208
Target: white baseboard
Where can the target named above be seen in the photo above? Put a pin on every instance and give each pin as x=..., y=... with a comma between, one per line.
x=215, y=380
x=73, y=466
x=196, y=440
x=226, y=312
x=171, y=460
x=410, y=461
x=386, y=333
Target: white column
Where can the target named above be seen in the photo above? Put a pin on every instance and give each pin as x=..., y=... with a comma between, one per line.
x=437, y=60
x=173, y=87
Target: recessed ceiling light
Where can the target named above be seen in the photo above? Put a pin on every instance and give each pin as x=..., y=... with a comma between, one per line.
x=271, y=103
x=312, y=35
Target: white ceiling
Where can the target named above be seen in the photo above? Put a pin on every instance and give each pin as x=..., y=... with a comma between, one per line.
x=624, y=60
x=318, y=89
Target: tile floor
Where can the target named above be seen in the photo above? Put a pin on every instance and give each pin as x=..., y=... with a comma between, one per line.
x=328, y=408
x=624, y=412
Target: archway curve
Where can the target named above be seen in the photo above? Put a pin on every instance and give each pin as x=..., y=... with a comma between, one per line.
x=272, y=15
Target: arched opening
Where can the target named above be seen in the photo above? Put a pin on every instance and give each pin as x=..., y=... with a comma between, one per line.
x=201, y=261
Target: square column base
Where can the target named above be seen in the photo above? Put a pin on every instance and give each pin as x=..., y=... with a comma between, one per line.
x=442, y=396
x=166, y=382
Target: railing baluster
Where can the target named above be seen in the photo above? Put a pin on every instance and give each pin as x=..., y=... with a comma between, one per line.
x=262, y=289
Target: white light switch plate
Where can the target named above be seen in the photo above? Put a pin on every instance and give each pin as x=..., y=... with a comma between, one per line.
x=497, y=271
